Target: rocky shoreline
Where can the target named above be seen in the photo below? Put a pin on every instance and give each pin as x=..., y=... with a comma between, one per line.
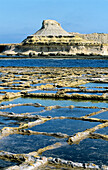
x=33, y=83
x=52, y=56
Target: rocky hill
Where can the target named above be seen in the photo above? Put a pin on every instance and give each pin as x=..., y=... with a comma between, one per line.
x=52, y=40
x=99, y=37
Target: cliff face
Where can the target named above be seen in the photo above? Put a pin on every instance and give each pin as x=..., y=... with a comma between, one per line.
x=47, y=49
x=52, y=39
x=98, y=37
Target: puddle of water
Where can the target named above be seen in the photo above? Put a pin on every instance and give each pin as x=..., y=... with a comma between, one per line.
x=10, y=90
x=39, y=84
x=96, y=88
x=17, y=75
x=95, y=85
x=7, y=122
x=86, y=93
x=42, y=91
x=1, y=94
x=33, y=85
x=15, y=81
x=88, y=150
x=22, y=109
x=64, y=126
x=103, y=115
x=16, y=84
x=103, y=131
x=51, y=102
x=24, y=144
x=6, y=164
x=71, y=88
x=75, y=112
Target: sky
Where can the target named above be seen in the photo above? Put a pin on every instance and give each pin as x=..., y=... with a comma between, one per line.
x=21, y=18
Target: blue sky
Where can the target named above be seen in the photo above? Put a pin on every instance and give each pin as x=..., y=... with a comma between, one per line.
x=20, y=18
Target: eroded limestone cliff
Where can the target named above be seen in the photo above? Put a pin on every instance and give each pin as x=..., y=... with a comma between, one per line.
x=99, y=37
x=52, y=39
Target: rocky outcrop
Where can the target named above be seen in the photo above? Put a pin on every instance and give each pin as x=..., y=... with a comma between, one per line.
x=98, y=37
x=53, y=40
x=51, y=28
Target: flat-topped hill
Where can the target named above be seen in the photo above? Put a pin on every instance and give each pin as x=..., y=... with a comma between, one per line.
x=52, y=39
x=51, y=28
x=52, y=33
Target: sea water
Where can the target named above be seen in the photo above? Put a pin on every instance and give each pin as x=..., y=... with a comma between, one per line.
x=54, y=62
